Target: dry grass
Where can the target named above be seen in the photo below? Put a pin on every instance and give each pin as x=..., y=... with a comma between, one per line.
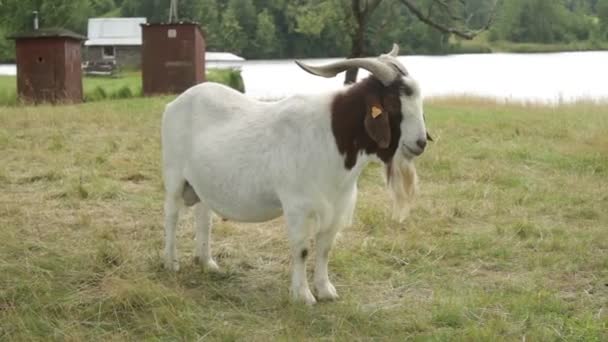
x=509, y=239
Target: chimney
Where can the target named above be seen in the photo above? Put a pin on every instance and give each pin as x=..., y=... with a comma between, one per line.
x=35, y=20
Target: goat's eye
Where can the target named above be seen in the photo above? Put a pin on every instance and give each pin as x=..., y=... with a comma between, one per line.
x=408, y=91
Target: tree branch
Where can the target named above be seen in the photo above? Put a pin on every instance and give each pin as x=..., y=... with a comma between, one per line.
x=448, y=9
x=462, y=33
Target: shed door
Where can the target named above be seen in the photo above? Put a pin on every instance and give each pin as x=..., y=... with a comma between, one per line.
x=179, y=70
x=41, y=79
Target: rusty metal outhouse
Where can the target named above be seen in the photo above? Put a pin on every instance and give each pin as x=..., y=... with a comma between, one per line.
x=173, y=57
x=49, y=66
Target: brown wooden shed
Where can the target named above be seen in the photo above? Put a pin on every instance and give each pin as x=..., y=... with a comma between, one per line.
x=49, y=66
x=173, y=57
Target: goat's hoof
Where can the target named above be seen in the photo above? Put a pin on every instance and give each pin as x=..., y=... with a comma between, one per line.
x=304, y=295
x=208, y=265
x=171, y=265
x=326, y=291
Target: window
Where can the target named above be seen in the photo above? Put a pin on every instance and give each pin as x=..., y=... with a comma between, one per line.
x=108, y=52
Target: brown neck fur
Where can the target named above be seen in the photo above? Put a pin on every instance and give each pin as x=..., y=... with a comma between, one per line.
x=348, y=112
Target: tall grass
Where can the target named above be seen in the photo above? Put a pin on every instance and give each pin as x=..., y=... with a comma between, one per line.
x=508, y=240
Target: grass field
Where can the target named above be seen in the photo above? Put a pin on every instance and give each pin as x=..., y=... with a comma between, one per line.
x=508, y=240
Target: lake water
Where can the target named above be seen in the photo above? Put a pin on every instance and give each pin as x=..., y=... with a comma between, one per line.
x=548, y=78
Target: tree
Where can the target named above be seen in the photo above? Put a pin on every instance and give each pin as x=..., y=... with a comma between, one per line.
x=362, y=11
x=153, y=10
x=231, y=33
x=602, y=13
x=209, y=20
x=445, y=16
x=71, y=14
x=100, y=7
x=246, y=16
x=16, y=16
x=265, y=34
x=544, y=21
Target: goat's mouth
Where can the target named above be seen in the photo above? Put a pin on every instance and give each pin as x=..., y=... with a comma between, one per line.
x=410, y=152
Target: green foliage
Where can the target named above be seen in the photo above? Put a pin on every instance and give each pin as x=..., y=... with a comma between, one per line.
x=265, y=40
x=602, y=13
x=324, y=28
x=229, y=77
x=232, y=33
x=210, y=22
x=103, y=6
x=543, y=21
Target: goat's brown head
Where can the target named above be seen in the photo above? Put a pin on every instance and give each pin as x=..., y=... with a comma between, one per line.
x=380, y=115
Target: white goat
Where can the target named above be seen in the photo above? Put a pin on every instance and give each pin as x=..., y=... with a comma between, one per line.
x=252, y=161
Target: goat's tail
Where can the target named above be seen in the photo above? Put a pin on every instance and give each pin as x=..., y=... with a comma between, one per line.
x=402, y=182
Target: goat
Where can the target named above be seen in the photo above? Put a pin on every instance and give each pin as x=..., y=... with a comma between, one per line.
x=253, y=161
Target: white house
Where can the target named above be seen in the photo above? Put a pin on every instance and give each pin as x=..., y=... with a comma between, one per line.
x=119, y=40
x=115, y=40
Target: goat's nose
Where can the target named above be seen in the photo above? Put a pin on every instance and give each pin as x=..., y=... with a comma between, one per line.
x=421, y=143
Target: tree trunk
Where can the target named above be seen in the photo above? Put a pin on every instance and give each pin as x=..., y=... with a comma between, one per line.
x=362, y=10
x=357, y=50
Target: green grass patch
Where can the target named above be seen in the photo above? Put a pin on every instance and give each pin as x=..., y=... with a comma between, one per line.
x=507, y=240
x=122, y=86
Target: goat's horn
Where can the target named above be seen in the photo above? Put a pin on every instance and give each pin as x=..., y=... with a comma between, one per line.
x=385, y=73
x=395, y=51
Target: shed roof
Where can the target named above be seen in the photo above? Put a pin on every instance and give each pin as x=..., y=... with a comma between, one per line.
x=47, y=33
x=114, y=31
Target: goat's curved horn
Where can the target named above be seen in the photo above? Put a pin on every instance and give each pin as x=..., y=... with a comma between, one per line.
x=395, y=51
x=385, y=73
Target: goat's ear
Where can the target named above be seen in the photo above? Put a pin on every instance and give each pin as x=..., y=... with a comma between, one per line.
x=377, y=124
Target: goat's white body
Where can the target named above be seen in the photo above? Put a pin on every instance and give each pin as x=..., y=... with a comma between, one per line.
x=252, y=161
x=249, y=161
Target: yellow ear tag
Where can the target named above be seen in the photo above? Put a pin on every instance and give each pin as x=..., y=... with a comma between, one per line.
x=376, y=112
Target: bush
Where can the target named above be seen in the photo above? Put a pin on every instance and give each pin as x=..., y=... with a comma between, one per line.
x=98, y=94
x=123, y=93
x=229, y=77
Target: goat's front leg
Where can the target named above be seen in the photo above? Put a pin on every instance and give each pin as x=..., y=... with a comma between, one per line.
x=298, y=239
x=323, y=242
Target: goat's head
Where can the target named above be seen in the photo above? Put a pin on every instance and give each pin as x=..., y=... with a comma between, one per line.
x=383, y=115
x=391, y=97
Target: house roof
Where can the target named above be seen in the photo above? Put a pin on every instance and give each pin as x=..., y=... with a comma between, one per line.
x=114, y=31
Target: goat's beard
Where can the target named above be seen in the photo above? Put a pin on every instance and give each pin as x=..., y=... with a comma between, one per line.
x=402, y=182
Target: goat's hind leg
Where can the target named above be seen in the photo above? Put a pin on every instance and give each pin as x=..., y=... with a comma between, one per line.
x=203, y=223
x=172, y=207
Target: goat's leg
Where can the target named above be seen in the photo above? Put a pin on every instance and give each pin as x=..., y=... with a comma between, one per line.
x=298, y=239
x=323, y=242
x=202, y=253
x=171, y=218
